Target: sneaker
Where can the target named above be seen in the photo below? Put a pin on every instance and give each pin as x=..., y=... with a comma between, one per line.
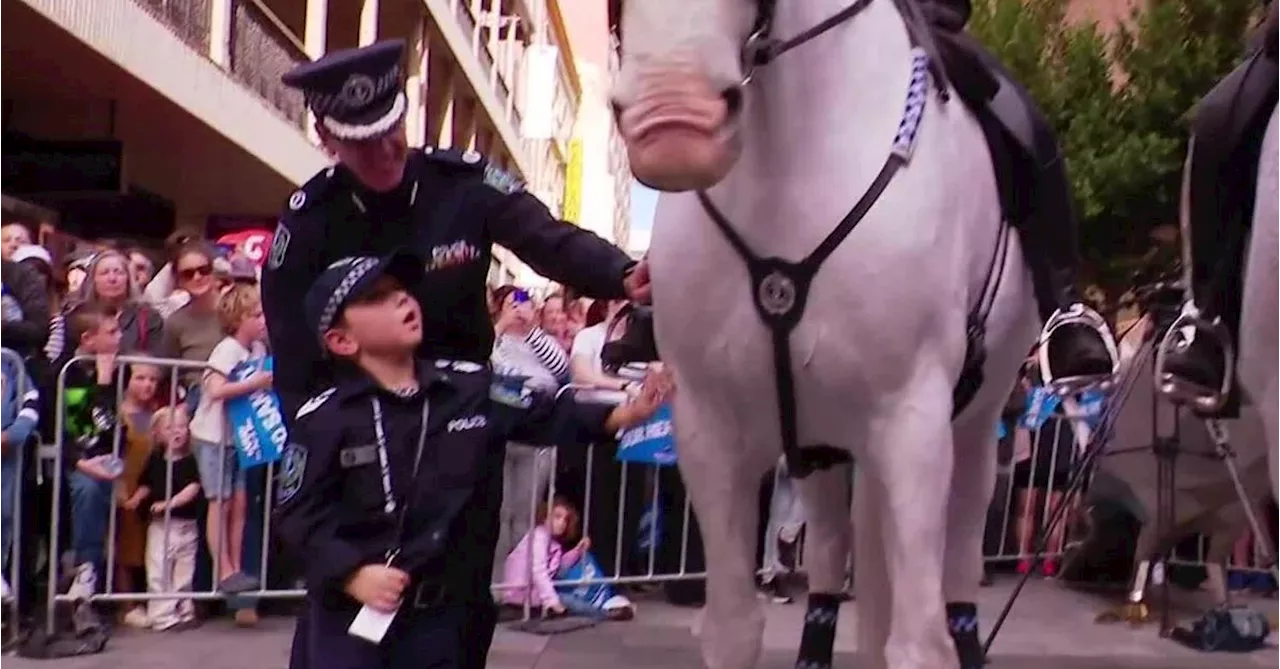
x=237, y=583
x=1049, y=567
x=85, y=584
x=136, y=618
x=1024, y=565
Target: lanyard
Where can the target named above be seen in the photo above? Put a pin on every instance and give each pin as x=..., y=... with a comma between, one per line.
x=384, y=464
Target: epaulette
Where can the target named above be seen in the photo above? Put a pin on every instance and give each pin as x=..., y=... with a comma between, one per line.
x=453, y=157
x=311, y=192
x=495, y=177
x=314, y=403
x=462, y=366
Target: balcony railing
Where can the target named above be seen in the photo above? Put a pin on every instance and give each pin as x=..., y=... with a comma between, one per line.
x=262, y=50
x=188, y=19
x=261, y=47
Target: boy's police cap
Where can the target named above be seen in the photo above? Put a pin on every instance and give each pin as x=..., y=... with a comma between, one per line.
x=350, y=278
x=356, y=93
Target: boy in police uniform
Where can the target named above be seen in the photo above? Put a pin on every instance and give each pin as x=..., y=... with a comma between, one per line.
x=392, y=481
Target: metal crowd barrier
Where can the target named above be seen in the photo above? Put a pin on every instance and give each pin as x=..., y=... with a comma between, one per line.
x=628, y=568
x=15, y=462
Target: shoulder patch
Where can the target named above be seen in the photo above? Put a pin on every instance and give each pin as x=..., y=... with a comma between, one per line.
x=293, y=464
x=279, y=246
x=501, y=180
x=314, y=403
x=520, y=398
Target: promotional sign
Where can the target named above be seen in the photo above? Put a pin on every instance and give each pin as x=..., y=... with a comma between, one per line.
x=585, y=569
x=252, y=244
x=651, y=442
x=1040, y=406
x=257, y=424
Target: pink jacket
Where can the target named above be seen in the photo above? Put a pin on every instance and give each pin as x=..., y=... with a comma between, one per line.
x=548, y=558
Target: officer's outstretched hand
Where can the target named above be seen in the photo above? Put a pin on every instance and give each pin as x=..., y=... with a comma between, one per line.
x=378, y=586
x=636, y=283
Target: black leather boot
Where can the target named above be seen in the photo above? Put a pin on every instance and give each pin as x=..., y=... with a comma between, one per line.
x=637, y=343
x=1194, y=361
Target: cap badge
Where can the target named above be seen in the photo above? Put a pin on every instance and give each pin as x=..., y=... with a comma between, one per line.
x=358, y=91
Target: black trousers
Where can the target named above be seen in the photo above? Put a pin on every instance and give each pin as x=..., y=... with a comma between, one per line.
x=446, y=637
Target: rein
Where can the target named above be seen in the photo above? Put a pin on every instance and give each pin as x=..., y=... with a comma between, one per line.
x=761, y=48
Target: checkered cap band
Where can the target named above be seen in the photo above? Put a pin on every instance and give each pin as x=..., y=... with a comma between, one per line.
x=357, y=268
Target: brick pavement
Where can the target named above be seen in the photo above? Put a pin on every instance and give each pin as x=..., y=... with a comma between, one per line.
x=1052, y=629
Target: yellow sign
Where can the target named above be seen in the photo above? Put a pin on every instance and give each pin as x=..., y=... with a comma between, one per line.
x=573, y=183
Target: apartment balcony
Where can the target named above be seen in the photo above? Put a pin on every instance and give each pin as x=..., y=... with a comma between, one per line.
x=256, y=51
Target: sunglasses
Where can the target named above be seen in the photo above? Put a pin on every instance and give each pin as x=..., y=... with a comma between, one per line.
x=193, y=272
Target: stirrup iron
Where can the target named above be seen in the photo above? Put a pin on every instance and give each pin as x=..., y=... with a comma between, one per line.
x=1179, y=390
x=1077, y=314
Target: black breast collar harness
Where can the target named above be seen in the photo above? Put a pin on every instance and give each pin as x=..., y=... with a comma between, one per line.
x=780, y=289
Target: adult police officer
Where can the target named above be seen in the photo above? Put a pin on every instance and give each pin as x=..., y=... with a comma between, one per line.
x=391, y=482
x=447, y=206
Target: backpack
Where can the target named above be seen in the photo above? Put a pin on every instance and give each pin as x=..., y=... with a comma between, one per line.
x=1237, y=629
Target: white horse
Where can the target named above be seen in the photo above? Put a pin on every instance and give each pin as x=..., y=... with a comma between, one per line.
x=1256, y=361
x=879, y=347
x=1205, y=500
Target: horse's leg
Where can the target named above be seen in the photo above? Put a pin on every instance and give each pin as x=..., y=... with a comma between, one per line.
x=1134, y=610
x=908, y=462
x=722, y=469
x=1215, y=567
x=826, y=553
x=870, y=569
x=972, y=481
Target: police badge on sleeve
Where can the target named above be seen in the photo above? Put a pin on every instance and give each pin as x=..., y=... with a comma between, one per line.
x=279, y=247
x=292, y=466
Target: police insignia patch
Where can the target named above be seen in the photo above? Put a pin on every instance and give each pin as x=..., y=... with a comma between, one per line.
x=519, y=398
x=314, y=403
x=292, y=466
x=501, y=181
x=296, y=200
x=279, y=246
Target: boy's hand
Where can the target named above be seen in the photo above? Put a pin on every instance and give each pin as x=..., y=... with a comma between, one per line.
x=106, y=364
x=158, y=507
x=552, y=609
x=378, y=586
x=585, y=544
x=130, y=504
x=262, y=380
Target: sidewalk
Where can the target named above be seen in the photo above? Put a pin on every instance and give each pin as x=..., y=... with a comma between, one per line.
x=1051, y=628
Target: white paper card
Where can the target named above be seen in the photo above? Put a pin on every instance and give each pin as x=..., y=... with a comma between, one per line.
x=371, y=624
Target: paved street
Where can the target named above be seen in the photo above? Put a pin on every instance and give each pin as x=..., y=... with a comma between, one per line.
x=1051, y=629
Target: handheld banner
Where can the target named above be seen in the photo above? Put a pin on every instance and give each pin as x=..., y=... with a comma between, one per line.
x=651, y=442
x=257, y=424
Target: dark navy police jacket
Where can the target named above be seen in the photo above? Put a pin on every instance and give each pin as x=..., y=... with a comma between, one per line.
x=450, y=209
x=332, y=513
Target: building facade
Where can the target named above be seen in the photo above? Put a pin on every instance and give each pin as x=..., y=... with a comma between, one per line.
x=176, y=106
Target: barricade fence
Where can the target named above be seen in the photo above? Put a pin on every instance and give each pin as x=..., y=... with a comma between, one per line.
x=642, y=535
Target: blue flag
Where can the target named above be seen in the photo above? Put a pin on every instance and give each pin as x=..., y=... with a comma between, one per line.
x=651, y=442
x=257, y=424
x=1040, y=406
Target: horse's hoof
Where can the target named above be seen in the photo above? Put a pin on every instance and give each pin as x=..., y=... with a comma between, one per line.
x=1133, y=613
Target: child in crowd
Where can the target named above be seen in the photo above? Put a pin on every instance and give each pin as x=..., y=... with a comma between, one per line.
x=89, y=430
x=167, y=491
x=223, y=482
x=553, y=547
x=140, y=402
x=20, y=414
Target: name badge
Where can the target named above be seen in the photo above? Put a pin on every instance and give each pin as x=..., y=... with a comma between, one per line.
x=358, y=456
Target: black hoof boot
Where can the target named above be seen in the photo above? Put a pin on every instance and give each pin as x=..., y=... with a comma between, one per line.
x=1077, y=351
x=962, y=623
x=637, y=344
x=818, y=640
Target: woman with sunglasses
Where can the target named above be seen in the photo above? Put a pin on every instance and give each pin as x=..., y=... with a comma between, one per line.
x=192, y=331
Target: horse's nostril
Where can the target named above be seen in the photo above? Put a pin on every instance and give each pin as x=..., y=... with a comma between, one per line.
x=733, y=100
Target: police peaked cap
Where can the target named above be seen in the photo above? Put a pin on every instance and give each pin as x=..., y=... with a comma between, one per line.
x=356, y=93
x=352, y=277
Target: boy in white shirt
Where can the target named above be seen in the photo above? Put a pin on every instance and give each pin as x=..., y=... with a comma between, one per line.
x=221, y=479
